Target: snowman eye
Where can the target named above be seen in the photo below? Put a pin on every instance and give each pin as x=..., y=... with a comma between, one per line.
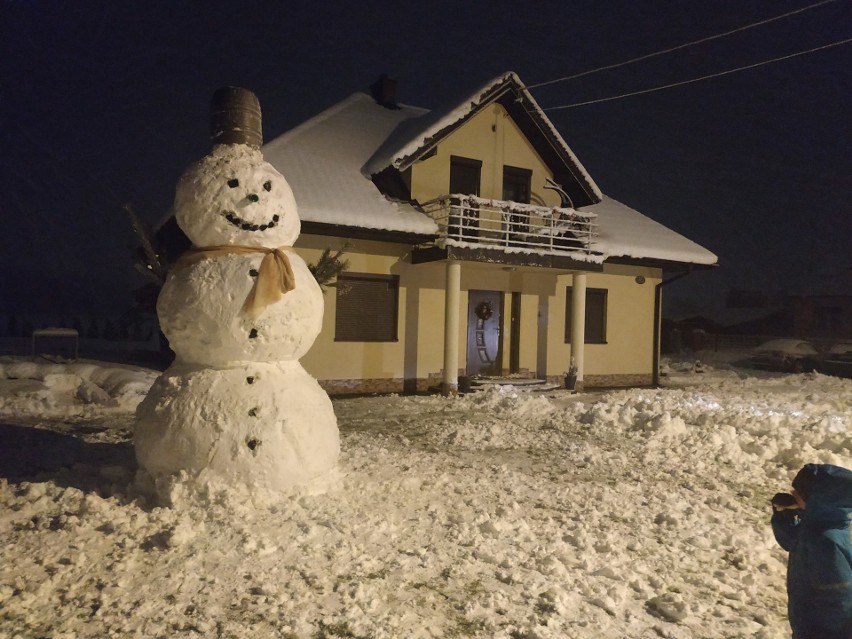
x=267, y=186
x=233, y=183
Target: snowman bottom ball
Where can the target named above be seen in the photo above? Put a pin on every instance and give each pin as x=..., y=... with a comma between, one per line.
x=260, y=424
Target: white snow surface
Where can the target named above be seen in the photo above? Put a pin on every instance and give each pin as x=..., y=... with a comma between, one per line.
x=635, y=513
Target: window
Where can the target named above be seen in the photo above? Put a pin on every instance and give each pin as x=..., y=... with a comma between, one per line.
x=366, y=308
x=464, y=180
x=595, y=315
x=464, y=175
x=516, y=188
x=516, y=184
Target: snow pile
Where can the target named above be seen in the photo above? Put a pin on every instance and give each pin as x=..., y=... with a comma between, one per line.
x=519, y=425
x=44, y=389
x=633, y=514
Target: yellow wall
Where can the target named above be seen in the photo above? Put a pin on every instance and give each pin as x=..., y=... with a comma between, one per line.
x=328, y=359
x=419, y=351
x=492, y=137
x=630, y=323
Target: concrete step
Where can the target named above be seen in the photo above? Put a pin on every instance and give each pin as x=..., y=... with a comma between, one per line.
x=521, y=384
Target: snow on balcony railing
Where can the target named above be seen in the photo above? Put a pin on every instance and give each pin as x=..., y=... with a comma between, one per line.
x=471, y=221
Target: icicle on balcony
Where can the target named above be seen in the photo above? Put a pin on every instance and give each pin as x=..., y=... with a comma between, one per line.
x=471, y=221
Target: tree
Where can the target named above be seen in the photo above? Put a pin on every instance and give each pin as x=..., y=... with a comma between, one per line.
x=329, y=266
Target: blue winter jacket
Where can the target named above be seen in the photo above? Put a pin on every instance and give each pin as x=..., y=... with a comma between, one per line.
x=819, y=569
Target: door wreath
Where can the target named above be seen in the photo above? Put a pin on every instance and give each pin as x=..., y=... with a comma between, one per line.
x=484, y=310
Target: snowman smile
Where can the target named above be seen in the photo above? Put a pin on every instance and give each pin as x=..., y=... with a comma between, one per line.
x=245, y=225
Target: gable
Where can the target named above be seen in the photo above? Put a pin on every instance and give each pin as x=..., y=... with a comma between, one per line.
x=493, y=138
x=417, y=139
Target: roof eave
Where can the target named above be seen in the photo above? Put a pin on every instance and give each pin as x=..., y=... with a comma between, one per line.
x=364, y=233
x=669, y=266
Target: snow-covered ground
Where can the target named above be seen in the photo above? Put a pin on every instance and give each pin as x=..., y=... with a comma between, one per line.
x=635, y=513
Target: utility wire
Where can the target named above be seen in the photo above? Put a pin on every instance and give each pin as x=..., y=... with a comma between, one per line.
x=704, y=77
x=682, y=46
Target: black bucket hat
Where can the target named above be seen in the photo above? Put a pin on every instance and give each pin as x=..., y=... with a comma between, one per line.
x=804, y=480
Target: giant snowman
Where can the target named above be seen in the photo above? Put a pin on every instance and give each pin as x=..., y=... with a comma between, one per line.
x=239, y=309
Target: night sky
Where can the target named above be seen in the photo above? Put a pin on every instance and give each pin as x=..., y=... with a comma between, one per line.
x=105, y=103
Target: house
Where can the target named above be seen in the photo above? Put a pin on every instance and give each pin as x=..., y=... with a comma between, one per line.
x=478, y=245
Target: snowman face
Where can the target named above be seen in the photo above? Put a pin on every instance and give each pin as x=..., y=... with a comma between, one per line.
x=232, y=196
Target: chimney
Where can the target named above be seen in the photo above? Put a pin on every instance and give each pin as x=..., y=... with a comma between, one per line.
x=384, y=92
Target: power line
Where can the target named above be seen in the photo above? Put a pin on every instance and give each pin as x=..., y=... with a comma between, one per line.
x=682, y=46
x=704, y=77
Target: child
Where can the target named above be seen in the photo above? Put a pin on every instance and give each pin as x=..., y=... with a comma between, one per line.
x=812, y=524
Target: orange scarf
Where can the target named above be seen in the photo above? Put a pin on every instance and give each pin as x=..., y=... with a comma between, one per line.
x=274, y=277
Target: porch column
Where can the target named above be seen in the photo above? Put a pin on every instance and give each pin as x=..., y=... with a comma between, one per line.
x=578, y=325
x=450, y=383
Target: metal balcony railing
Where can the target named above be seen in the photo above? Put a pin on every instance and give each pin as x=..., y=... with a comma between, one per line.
x=471, y=221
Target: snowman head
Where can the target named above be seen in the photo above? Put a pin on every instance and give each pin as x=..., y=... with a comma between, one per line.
x=232, y=196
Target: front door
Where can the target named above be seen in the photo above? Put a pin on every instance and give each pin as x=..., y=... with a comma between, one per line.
x=484, y=355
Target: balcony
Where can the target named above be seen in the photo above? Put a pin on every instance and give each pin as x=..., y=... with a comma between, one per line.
x=473, y=222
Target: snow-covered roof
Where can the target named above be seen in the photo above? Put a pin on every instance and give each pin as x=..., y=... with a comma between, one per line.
x=329, y=160
x=626, y=233
x=322, y=161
